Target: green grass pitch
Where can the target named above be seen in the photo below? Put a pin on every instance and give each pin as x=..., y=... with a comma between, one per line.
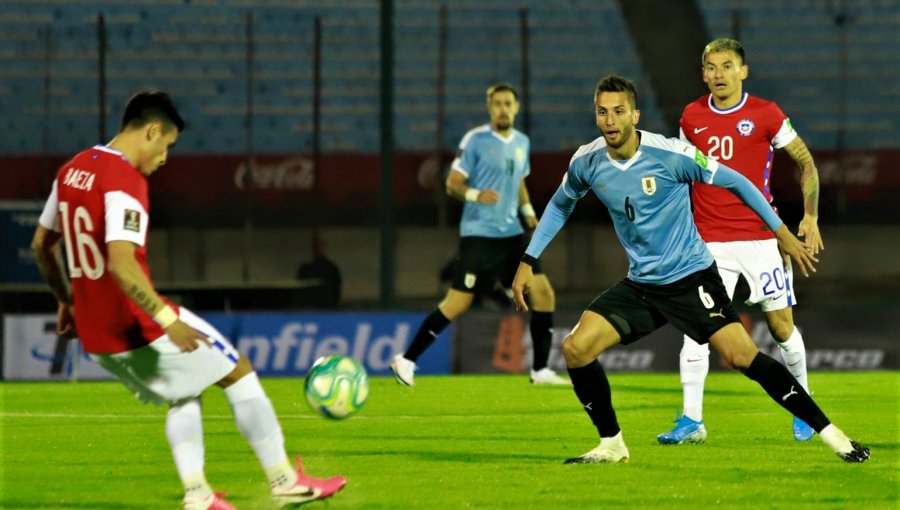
x=462, y=442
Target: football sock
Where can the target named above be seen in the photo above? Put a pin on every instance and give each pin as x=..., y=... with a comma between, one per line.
x=694, y=363
x=431, y=327
x=257, y=422
x=592, y=389
x=184, y=430
x=794, y=354
x=541, y=338
x=785, y=390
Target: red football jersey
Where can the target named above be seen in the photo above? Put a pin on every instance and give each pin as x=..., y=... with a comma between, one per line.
x=743, y=138
x=99, y=197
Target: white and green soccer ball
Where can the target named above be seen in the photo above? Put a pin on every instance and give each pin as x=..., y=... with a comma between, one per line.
x=337, y=386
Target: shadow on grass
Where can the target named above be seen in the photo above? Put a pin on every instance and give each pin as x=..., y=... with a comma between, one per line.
x=15, y=504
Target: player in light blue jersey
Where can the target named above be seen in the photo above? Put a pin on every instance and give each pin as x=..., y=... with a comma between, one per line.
x=643, y=180
x=488, y=175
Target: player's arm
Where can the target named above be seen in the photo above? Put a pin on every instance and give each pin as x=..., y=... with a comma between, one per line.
x=739, y=185
x=47, y=255
x=809, y=185
x=135, y=284
x=458, y=188
x=555, y=215
x=525, y=206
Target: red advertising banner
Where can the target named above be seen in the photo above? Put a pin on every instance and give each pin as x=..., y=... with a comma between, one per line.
x=350, y=182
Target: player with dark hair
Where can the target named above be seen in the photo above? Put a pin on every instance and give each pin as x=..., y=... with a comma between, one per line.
x=163, y=353
x=644, y=181
x=488, y=175
x=742, y=131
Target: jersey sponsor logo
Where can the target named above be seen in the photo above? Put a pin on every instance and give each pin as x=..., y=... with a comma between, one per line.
x=700, y=130
x=700, y=159
x=469, y=280
x=745, y=127
x=649, y=185
x=132, y=220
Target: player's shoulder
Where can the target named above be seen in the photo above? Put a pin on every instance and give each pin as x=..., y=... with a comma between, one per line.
x=475, y=134
x=597, y=146
x=662, y=145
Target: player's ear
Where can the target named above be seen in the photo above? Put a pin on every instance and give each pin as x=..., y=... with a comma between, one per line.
x=637, y=116
x=745, y=71
x=153, y=130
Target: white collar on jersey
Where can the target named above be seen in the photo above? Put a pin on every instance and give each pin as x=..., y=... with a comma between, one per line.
x=626, y=165
x=504, y=140
x=734, y=108
x=108, y=149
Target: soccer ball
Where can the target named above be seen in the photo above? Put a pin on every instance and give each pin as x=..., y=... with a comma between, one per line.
x=337, y=386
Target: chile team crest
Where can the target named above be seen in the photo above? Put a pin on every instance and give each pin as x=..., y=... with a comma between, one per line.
x=649, y=185
x=745, y=127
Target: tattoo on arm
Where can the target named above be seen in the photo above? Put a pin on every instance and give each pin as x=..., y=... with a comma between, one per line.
x=143, y=300
x=809, y=175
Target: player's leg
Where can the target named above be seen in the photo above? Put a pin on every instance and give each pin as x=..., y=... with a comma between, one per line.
x=257, y=422
x=737, y=349
x=453, y=305
x=543, y=304
x=771, y=283
x=617, y=315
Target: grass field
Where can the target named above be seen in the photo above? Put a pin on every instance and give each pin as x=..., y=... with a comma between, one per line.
x=462, y=442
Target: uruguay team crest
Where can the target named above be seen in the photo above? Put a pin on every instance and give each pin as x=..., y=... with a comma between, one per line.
x=520, y=154
x=745, y=127
x=469, y=280
x=649, y=185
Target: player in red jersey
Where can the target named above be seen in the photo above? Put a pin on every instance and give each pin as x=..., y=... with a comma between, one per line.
x=164, y=354
x=743, y=131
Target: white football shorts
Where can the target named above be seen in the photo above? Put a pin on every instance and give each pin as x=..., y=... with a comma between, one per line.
x=160, y=373
x=771, y=283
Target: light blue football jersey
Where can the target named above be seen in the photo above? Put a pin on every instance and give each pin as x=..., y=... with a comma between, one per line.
x=648, y=198
x=490, y=161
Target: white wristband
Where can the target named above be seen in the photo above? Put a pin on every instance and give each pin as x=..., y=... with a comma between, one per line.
x=472, y=194
x=527, y=210
x=165, y=317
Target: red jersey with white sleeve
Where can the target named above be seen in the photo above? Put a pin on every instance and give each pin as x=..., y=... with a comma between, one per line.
x=743, y=137
x=99, y=197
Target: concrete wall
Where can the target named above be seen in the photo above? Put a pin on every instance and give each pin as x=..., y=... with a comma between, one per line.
x=583, y=259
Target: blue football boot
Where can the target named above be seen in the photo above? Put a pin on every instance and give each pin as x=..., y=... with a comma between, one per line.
x=686, y=431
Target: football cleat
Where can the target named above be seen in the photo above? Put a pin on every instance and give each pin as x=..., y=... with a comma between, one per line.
x=547, y=376
x=845, y=448
x=307, y=488
x=610, y=451
x=403, y=370
x=214, y=501
x=802, y=431
x=686, y=431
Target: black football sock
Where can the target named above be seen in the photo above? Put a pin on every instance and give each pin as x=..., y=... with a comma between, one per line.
x=786, y=391
x=541, y=338
x=429, y=330
x=592, y=389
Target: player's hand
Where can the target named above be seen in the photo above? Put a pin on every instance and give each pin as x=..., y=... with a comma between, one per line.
x=488, y=197
x=185, y=337
x=531, y=222
x=800, y=252
x=65, y=320
x=809, y=231
x=521, y=285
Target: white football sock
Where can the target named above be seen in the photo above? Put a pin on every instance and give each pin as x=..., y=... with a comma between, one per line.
x=793, y=351
x=184, y=430
x=257, y=422
x=694, y=365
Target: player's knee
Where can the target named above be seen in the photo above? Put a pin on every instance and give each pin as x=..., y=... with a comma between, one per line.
x=574, y=353
x=781, y=330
